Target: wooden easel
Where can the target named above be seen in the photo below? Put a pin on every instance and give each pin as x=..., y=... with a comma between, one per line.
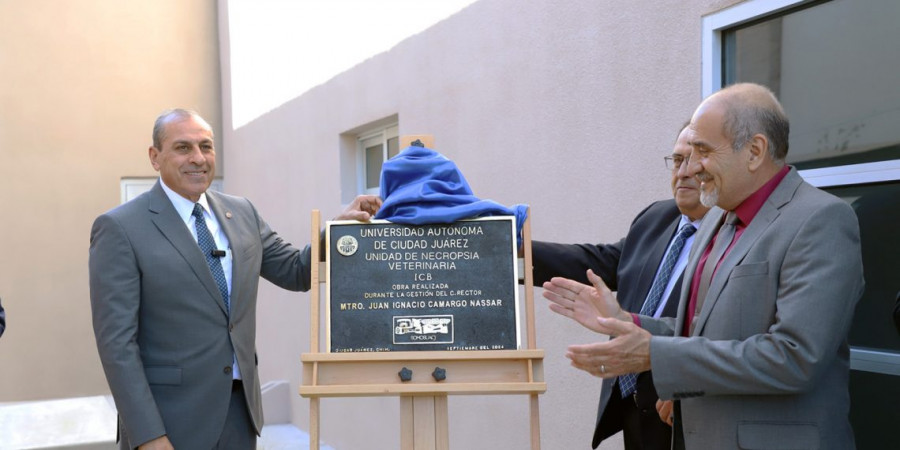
x=423, y=401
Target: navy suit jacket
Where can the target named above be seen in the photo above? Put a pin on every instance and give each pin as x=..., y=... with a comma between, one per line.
x=627, y=266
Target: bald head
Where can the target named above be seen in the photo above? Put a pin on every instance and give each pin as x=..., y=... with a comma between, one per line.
x=751, y=109
x=739, y=139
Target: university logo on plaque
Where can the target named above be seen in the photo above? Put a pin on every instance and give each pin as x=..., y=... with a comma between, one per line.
x=394, y=287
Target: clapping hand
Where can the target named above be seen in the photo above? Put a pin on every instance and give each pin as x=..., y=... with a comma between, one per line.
x=596, y=308
x=583, y=303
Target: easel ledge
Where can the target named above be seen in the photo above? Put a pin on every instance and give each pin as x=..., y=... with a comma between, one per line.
x=468, y=372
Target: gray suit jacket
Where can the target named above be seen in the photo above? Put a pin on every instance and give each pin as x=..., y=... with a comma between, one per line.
x=768, y=364
x=164, y=337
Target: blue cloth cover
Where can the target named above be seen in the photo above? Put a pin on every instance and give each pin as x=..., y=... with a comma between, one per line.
x=421, y=186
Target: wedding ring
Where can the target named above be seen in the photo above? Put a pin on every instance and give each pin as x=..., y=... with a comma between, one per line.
x=602, y=368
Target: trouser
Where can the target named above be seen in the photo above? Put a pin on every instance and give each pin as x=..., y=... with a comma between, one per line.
x=239, y=433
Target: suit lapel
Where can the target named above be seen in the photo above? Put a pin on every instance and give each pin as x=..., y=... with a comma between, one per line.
x=704, y=235
x=757, y=227
x=224, y=215
x=166, y=219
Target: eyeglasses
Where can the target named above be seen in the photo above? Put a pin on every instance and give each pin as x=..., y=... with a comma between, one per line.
x=674, y=162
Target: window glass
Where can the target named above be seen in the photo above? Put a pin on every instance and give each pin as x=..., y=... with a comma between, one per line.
x=374, y=147
x=393, y=145
x=878, y=394
x=834, y=66
x=374, y=159
x=878, y=208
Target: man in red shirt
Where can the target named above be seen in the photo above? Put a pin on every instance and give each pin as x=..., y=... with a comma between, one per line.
x=757, y=356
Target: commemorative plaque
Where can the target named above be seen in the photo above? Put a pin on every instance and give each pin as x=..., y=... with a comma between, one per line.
x=394, y=287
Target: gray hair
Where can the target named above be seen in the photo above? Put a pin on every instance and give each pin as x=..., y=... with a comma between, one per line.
x=170, y=115
x=753, y=109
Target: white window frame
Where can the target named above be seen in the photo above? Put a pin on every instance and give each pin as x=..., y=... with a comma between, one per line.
x=383, y=134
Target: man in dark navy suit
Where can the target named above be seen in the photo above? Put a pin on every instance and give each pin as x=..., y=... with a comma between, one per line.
x=632, y=266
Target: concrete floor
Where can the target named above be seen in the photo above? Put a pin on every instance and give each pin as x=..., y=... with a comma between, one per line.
x=89, y=423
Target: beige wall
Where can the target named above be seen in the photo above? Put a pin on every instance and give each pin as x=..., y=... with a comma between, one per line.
x=81, y=82
x=568, y=106
x=565, y=105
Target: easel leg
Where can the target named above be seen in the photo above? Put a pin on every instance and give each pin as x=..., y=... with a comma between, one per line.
x=314, y=423
x=535, y=423
x=424, y=423
x=441, y=423
x=407, y=431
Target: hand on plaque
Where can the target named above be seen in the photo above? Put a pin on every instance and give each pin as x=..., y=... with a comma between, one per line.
x=363, y=208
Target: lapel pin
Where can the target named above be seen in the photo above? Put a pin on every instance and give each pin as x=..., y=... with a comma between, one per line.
x=227, y=214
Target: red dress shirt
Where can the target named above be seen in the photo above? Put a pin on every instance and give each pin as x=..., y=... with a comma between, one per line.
x=746, y=211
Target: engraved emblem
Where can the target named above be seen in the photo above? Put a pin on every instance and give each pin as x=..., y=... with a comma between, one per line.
x=347, y=245
x=423, y=329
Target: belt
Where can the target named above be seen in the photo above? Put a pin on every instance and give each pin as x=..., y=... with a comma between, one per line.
x=236, y=385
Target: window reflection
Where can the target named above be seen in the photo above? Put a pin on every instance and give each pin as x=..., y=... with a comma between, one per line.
x=834, y=67
x=878, y=208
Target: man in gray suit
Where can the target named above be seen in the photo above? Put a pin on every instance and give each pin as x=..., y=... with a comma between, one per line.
x=761, y=360
x=174, y=320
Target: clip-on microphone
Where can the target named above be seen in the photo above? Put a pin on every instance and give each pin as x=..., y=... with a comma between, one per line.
x=216, y=253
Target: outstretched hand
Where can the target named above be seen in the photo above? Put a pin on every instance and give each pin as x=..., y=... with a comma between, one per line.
x=627, y=352
x=583, y=303
x=362, y=209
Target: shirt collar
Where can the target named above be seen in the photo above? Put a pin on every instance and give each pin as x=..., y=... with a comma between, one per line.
x=747, y=210
x=685, y=220
x=183, y=206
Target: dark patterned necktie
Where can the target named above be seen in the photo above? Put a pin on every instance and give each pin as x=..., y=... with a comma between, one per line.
x=628, y=382
x=207, y=245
